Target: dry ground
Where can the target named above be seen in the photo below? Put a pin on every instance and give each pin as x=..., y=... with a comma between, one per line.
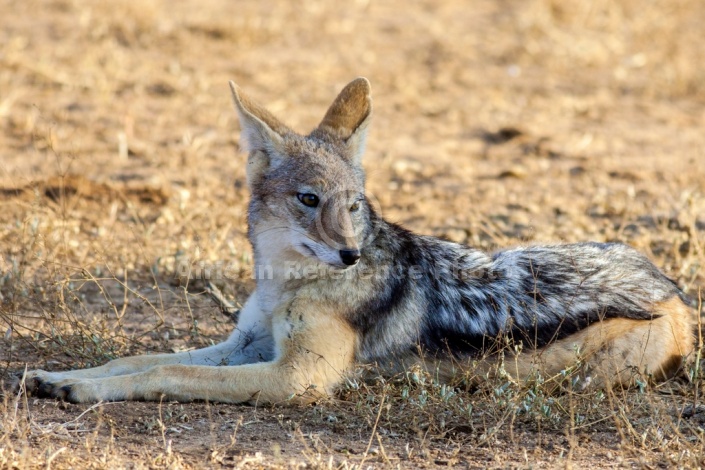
x=496, y=123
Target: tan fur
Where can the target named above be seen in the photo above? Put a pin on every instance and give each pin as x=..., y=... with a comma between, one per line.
x=348, y=116
x=606, y=354
x=349, y=110
x=317, y=348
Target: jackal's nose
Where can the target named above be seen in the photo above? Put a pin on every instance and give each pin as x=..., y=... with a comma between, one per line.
x=350, y=257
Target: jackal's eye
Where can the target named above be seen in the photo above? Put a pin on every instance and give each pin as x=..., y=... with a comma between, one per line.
x=308, y=199
x=355, y=206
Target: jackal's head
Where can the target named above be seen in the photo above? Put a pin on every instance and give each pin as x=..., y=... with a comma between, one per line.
x=308, y=191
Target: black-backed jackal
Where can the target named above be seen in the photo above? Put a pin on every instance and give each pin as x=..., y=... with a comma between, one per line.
x=339, y=285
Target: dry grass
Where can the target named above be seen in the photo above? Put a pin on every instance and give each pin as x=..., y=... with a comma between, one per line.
x=496, y=123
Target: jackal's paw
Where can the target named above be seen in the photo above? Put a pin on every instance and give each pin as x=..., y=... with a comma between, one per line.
x=31, y=382
x=72, y=391
x=42, y=384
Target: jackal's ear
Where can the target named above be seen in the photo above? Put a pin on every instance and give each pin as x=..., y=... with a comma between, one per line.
x=348, y=118
x=262, y=136
x=260, y=130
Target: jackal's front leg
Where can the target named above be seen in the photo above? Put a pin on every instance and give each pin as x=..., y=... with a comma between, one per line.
x=44, y=384
x=265, y=382
x=315, y=347
x=250, y=342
